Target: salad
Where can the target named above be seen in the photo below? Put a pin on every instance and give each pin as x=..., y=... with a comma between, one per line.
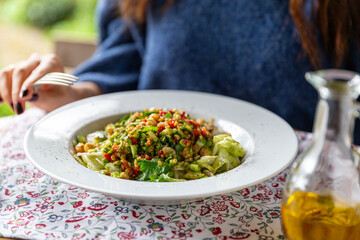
x=159, y=146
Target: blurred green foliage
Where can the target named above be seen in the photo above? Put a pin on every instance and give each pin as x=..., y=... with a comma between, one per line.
x=45, y=13
x=51, y=15
x=5, y=110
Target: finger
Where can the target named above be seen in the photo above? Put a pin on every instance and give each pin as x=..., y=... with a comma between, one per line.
x=21, y=72
x=5, y=84
x=49, y=63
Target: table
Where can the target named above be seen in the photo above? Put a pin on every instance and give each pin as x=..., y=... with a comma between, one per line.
x=35, y=206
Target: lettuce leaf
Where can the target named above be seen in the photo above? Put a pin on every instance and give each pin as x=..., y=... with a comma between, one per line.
x=151, y=170
x=93, y=161
x=226, y=142
x=166, y=178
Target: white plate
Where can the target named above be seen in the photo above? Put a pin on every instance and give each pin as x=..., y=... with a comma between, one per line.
x=270, y=143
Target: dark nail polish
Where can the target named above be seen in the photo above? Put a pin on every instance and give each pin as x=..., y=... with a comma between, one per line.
x=19, y=108
x=12, y=107
x=24, y=93
x=34, y=97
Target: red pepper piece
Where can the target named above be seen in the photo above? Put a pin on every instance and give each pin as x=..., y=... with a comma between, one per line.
x=195, y=124
x=125, y=163
x=162, y=113
x=160, y=129
x=196, y=132
x=204, y=132
x=136, y=170
x=171, y=123
x=108, y=157
x=186, y=142
x=133, y=141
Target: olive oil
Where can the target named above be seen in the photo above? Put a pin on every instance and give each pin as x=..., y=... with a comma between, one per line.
x=307, y=216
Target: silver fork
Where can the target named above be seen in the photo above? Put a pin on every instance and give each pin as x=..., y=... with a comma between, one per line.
x=55, y=78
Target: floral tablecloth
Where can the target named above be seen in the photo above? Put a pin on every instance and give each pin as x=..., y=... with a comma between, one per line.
x=35, y=206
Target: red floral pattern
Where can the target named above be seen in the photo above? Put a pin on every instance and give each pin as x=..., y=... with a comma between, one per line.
x=36, y=206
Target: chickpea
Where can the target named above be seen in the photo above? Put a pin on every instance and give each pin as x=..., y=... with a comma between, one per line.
x=200, y=121
x=177, y=116
x=148, y=142
x=151, y=123
x=110, y=128
x=88, y=146
x=205, y=152
x=154, y=116
x=136, y=115
x=169, y=150
x=173, y=161
x=185, y=153
x=79, y=147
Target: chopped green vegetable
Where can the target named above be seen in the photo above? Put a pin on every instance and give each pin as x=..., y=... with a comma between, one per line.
x=134, y=150
x=150, y=128
x=124, y=118
x=168, y=115
x=81, y=139
x=152, y=136
x=167, y=131
x=149, y=113
x=192, y=175
x=194, y=168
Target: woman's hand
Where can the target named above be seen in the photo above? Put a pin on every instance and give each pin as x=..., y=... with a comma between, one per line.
x=16, y=85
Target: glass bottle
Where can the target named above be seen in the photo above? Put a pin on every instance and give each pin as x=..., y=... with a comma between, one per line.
x=322, y=195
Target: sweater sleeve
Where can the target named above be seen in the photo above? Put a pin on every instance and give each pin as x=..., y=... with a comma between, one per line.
x=115, y=65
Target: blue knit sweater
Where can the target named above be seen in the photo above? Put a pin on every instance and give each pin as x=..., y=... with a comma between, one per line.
x=247, y=49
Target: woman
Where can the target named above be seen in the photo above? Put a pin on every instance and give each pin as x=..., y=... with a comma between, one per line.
x=254, y=50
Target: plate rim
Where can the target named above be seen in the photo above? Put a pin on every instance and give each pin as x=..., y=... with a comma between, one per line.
x=156, y=197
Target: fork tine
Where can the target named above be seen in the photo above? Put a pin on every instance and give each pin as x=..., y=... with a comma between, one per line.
x=63, y=76
x=56, y=80
x=51, y=82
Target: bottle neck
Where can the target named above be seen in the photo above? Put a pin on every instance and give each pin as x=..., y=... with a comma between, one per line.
x=334, y=119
